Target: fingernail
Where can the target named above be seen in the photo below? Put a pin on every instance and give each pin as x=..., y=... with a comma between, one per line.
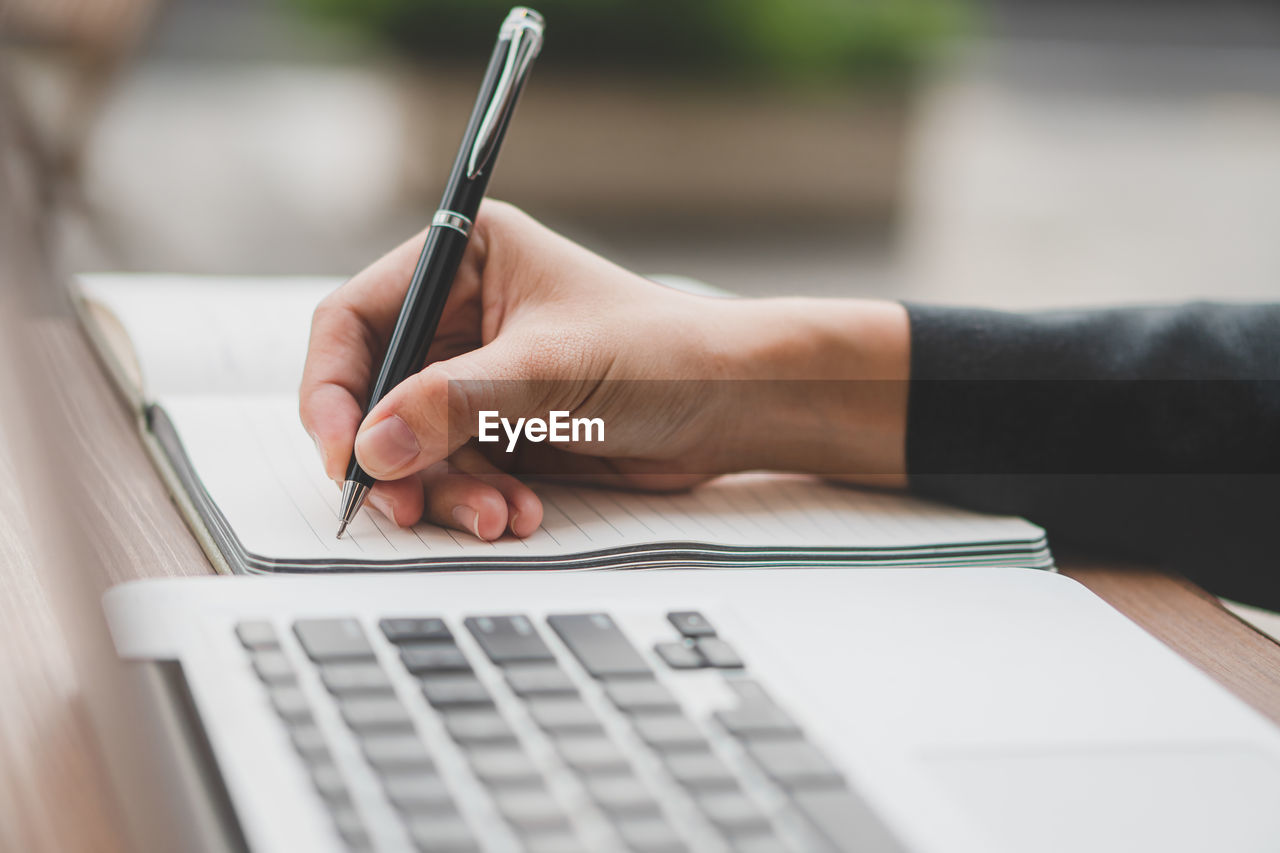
x=387, y=446
x=511, y=522
x=467, y=518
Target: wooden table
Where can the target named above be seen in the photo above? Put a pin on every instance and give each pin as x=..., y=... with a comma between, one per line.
x=54, y=793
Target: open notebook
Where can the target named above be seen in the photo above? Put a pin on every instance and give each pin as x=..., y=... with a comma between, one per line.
x=211, y=366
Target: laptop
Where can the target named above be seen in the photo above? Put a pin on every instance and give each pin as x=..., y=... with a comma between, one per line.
x=772, y=710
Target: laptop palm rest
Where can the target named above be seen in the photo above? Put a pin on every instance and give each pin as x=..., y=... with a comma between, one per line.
x=1073, y=799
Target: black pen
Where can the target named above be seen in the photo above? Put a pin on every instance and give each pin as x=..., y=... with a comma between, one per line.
x=519, y=41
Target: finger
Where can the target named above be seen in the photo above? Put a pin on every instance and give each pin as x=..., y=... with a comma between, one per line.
x=402, y=501
x=349, y=326
x=349, y=332
x=399, y=500
x=463, y=502
x=332, y=416
x=434, y=412
x=330, y=400
x=524, y=507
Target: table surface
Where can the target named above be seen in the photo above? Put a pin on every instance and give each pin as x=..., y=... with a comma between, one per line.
x=54, y=793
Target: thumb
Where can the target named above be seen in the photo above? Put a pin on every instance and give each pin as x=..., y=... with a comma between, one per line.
x=434, y=412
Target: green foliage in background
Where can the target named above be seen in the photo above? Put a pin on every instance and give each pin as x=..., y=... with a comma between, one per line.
x=795, y=40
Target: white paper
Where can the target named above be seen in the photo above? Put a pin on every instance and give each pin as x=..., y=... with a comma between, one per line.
x=262, y=470
x=213, y=335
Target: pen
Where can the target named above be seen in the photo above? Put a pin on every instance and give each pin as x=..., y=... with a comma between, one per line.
x=519, y=41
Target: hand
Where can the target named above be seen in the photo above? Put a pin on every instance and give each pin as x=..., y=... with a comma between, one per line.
x=535, y=323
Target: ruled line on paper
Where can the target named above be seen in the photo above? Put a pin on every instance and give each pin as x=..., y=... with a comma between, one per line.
x=270, y=458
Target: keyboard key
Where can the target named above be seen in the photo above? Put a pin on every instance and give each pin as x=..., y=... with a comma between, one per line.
x=309, y=742
x=433, y=657
x=716, y=652
x=530, y=810
x=539, y=680
x=354, y=677
x=691, y=623
x=758, y=721
x=290, y=703
x=350, y=827
x=329, y=782
x=369, y=713
x=257, y=634
x=700, y=770
x=562, y=714
x=441, y=834
x=642, y=696
x=553, y=842
x=447, y=691
x=795, y=764
x=273, y=667
x=749, y=691
x=679, y=656
x=622, y=795
x=732, y=812
x=417, y=792
x=508, y=639
x=404, y=630
x=332, y=639
x=588, y=754
x=762, y=842
x=504, y=766
x=649, y=835
x=395, y=751
x=477, y=727
x=670, y=733
x=757, y=715
x=599, y=645
x=846, y=821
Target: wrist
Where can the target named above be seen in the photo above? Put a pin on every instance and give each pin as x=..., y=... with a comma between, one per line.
x=823, y=387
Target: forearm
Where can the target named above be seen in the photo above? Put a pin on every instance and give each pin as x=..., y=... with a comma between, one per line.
x=826, y=389
x=863, y=387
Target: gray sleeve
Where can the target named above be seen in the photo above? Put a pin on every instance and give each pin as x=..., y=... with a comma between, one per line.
x=1145, y=433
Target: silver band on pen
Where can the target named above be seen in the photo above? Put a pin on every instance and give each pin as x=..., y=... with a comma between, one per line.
x=456, y=221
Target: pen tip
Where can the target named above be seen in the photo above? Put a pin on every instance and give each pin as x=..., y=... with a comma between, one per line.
x=341, y=529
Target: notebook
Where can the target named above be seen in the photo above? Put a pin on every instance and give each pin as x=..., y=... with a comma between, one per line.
x=211, y=366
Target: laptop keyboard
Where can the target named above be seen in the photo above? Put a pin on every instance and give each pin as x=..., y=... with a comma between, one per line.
x=522, y=746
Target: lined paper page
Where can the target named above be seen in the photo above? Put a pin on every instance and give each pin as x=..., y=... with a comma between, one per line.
x=209, y=335
x=260, y=467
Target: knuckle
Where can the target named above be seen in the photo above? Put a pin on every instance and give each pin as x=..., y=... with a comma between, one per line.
x=326, y=310
x=337, y=322
x=498, y=221
x=497, y=210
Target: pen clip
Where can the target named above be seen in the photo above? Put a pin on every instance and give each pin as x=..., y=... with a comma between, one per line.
x=523, y=27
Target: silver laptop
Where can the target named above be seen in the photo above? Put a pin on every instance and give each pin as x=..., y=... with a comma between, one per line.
x=794, y=710
x=799, y=710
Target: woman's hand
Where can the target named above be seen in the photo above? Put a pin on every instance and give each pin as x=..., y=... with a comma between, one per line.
x=535, y=323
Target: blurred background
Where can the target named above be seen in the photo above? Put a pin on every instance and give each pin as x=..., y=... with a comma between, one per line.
x=1022, y=153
